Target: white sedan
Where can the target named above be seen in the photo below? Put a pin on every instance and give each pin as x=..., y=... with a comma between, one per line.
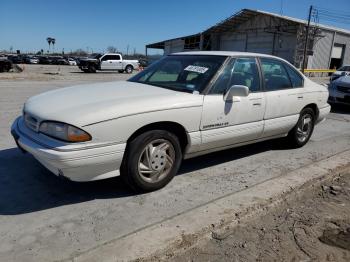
x=184, y=105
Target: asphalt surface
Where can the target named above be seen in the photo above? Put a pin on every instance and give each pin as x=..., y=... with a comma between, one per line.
x=43, y=218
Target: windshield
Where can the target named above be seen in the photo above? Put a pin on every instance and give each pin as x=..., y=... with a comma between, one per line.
x=181, y=72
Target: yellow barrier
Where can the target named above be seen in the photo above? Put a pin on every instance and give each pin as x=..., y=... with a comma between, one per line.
x=320, y=70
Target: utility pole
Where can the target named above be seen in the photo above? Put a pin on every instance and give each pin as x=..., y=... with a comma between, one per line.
x=306, y=39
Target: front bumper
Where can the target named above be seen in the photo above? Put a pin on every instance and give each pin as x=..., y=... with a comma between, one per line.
x=337, y=97
x=76, y=163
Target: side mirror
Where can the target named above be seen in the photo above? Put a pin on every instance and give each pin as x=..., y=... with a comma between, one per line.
x=236, y=90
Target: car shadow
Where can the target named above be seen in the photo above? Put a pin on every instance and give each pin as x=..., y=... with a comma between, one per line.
x=26, y=186
x=340, y=109
x=98, y=72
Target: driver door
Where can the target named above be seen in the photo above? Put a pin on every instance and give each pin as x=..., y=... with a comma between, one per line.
x=111, y=62
x=226, y=123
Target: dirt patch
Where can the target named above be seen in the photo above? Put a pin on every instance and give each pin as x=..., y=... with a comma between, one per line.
x=313, y=227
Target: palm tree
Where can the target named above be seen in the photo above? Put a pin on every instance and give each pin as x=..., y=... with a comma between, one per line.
x=49, y=41
x=53, y=41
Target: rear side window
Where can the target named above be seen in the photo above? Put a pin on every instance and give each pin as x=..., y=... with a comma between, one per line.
x=295, y=77
x=275, y=75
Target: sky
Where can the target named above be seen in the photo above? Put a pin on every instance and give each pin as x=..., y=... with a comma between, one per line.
x=94, y=25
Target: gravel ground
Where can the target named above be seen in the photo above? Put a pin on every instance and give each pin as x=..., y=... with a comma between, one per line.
x=314, y=227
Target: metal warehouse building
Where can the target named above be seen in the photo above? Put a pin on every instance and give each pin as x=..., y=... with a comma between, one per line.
x=263, y=32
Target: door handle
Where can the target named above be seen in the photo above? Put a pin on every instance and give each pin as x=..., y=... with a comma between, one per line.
x=300, y=97
x=110, y=62
x=257, y=104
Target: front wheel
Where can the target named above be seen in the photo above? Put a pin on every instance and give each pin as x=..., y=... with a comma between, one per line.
x=129, y=69
x=92, y=69
x=302, y=131
x=151, y=160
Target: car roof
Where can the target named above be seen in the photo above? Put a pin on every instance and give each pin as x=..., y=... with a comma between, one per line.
x=225, y=53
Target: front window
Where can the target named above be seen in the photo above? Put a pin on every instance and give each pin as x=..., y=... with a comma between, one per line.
x=240, y=71
x=187, y=73
x=344, y=68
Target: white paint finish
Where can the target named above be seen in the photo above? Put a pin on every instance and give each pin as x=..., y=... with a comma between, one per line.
x=112, y=112
x=240, y=120
x=77, y=165
x=279, y=126
x=122, y=128
x=86, y=104
x=281, y=103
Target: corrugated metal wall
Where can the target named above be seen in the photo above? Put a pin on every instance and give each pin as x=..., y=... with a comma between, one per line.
x=232, y=42
x=281, y=44
x=322, y=51
x=174, y=46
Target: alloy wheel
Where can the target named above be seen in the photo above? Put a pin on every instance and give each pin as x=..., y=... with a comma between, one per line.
x=156, y=160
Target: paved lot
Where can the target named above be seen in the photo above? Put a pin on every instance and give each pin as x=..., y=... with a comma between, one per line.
x=44, y=218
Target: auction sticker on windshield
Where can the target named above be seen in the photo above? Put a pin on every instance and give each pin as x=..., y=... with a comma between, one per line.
x=197, y=69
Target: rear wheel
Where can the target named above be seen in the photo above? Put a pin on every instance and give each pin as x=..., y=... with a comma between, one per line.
x=302, y=131
x=151, y=160
x=129, y=69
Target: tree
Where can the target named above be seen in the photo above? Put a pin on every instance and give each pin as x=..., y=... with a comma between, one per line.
x=49, y=41
x=112, y=49
x=53, y=41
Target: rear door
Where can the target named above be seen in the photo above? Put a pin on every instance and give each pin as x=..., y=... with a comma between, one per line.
x=284, y=96
x=111, y=62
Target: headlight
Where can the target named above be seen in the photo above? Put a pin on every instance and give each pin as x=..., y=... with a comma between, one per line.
x=64, y=132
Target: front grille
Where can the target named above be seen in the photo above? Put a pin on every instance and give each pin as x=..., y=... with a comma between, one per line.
x=343, y=89
x=31, y=122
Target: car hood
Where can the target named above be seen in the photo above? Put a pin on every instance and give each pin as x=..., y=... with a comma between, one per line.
x=343, y=81
x=88, y=59
x=86, y=104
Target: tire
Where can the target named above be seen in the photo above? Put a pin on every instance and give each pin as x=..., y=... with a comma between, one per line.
x=129, y=69
x=92, y=68
x=120, y=71
x=86, y=70
x=145, y=168
x=7, y=68
x=303, y=130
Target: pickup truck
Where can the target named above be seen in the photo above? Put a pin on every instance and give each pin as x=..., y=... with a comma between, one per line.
x=107, y=62
x=5, y=64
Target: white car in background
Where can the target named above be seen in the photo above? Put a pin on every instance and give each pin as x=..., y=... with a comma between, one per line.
x=184, y=105
x=72, y=62
x=34, y=60
x=339, y=91
x=342, y=71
